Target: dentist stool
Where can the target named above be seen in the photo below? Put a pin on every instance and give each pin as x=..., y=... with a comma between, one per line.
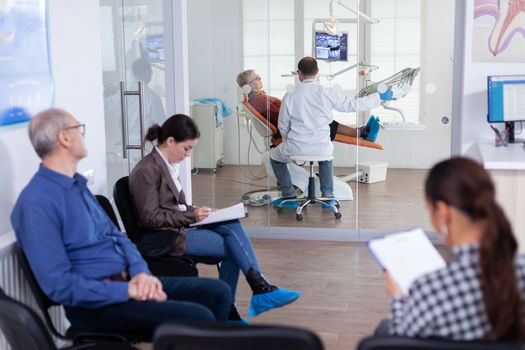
x=311, y=199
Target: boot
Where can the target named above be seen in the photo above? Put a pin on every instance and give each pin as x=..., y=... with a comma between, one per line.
x=235, y=317
x=265, y=296
x=258, y=283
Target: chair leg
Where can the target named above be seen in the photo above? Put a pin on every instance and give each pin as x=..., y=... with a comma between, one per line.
x=303, y=205
x=334, y=207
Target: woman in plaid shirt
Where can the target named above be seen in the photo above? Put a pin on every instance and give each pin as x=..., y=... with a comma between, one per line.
x=481, y=292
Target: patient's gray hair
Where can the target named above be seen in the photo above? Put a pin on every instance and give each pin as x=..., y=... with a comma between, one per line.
x=44, y=129
x=244, y=77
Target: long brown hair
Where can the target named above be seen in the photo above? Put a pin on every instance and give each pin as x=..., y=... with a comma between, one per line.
x=466, y=186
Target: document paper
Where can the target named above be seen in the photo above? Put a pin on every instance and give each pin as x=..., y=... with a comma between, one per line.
x=406, y=256
x=231, y=213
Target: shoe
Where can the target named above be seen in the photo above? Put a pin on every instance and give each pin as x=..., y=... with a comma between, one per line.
x=265, y=296
x=234, y=316
x=288, y=205
x=265, y=302
x=374, y=131
x=327, y=206
x=370, y=121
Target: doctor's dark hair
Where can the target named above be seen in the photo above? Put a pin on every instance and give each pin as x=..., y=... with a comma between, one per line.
x=308, y=66
x=466, y=186
x=179, y=126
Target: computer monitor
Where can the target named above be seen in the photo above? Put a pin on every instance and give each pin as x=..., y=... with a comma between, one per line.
x=330, y=48
x=153, y=45
x=506, y=101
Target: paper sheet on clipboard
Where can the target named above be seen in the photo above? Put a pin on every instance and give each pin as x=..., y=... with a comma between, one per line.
x=225, y=214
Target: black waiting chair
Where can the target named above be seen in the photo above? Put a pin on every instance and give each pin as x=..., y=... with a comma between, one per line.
x=24, y=329
x=402, y=343
x=234, y=337
x=45, y=304
x=177, y=266
x=163, y=266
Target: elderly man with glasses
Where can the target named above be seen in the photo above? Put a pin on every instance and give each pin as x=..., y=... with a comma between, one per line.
x=80, y=258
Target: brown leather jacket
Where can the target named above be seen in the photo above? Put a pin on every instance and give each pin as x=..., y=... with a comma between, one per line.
x=155, y=200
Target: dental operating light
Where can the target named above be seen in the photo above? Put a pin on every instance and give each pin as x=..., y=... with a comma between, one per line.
x=331, y=25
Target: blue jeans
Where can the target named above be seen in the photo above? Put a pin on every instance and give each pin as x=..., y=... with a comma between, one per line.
x=189, y=299
x=326, y=178
x=227, y=240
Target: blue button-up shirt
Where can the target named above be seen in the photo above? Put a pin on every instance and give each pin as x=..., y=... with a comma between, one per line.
x=70, y=242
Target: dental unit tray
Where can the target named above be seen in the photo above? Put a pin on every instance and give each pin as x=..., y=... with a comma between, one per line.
x=400, y=83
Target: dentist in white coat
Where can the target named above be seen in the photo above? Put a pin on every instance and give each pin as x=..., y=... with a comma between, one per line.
x=304, y=120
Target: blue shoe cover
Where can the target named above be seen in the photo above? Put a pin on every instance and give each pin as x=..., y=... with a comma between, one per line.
x=326, y=206
x=374, y=131
x=289, y=205
x=271, y=300
x=370, y=121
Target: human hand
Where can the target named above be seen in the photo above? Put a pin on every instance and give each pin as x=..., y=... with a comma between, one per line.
x=387, y=95
x=202, y=213
x=145, y=287
x=392, y=288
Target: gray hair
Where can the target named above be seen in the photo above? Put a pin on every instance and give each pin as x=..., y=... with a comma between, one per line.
x=44, y=129
x=244, y=77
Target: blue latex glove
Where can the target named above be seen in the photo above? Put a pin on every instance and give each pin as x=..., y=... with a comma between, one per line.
x=387, y=95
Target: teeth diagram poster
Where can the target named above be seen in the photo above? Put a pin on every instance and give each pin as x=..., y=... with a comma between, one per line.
x=499, y=31
x=26, y=84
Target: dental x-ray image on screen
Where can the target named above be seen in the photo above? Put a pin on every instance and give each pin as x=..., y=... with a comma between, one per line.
x=330, y=47
x=153, y=44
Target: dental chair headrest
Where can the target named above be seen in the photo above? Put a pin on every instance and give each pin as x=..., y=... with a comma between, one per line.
x=242, y=95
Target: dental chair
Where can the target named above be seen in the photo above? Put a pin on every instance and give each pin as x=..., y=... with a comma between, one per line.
x=300, y=176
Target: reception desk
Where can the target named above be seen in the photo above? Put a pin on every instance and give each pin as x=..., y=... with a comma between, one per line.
x=507, y=167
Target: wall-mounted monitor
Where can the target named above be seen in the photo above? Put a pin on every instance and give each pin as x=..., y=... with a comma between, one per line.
x=506, y=101
x=330, y=48
x=153, y=45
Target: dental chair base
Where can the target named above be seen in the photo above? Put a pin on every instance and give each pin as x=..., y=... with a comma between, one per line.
x=300, y=179
x=332, y=203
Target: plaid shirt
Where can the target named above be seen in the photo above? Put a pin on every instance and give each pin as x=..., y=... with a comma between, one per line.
x=448, y=303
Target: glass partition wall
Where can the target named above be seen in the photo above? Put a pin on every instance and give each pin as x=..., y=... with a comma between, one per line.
x=406, y=44
x=412, y=44
x=229, y=160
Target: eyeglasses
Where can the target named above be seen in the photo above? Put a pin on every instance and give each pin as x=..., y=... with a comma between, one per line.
x=81, y=128
x=257, y=77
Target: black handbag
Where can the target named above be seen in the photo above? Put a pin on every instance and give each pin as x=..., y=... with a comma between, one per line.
x=155, y=247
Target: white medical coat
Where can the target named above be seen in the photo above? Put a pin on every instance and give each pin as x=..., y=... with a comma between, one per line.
x=306, y=113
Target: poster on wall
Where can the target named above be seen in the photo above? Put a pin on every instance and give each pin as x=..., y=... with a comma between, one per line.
x=26, y=84
x=498, y=34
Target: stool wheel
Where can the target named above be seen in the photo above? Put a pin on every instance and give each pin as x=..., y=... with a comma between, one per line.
x=299, y=217
x=338, y=215
x=279, y=210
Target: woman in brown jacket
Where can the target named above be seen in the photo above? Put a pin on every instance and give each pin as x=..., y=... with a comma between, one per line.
x=159, y=203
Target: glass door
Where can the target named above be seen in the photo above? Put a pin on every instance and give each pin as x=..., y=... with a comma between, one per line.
x=133, y=67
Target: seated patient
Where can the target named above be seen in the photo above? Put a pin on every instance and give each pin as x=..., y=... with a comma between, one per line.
x=269, y=106
x=82, y=261
x=159, y=203
x=481, y=292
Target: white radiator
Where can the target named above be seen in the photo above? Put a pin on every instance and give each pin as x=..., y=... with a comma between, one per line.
x=13, y=282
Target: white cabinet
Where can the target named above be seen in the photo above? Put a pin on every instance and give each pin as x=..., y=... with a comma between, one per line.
x=209, y=151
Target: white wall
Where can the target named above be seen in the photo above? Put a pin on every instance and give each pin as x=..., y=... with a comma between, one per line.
x=215, y=58
x=474, y=124
x=422, y=149
x=74, y=32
